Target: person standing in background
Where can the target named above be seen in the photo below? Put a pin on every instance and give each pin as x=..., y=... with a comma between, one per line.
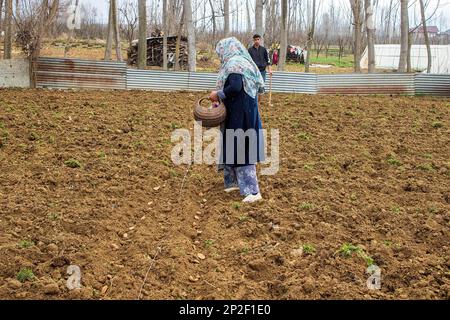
x=260, y=56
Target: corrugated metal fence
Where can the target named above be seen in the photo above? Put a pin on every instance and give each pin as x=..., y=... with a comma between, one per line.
x=389, y=83
x=290, y=82
x=432, y=84
x=71, y=73
x=82, y=74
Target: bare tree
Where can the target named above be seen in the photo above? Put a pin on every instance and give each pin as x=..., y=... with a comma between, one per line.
x=425, y=34
x=8, y=30
x=142, y=49
x=71, y=31
x=249, y=19
x=128, y=20
x=1, y=16
x=259, y=7
x=192, y=54
x=164, y=22
x=283, y=42
x=109, y=37
x=178, y=44
x=404, y=21
x=213, y=20
x=115, y=24
x=226, y=17
x=356, y=6
x=32, y=25
x=310, y=36
x=370, y=27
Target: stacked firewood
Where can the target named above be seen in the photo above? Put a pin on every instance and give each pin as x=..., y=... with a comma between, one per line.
x=155, y=52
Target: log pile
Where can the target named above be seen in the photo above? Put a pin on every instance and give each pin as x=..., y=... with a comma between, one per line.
x=155, y=50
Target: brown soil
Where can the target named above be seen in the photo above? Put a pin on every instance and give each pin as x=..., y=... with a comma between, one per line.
x=371, y=171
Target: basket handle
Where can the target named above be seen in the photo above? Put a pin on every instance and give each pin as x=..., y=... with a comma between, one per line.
x=202, y=100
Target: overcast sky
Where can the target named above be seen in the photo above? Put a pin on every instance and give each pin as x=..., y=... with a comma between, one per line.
x=442, y=15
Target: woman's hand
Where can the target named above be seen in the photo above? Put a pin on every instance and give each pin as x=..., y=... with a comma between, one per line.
x=213, y=96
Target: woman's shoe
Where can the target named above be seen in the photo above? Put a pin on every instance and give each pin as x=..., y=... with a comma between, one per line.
x=253, y=198
x=229, y=190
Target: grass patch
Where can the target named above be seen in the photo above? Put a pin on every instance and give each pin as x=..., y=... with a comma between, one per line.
x=25, y=244
x=53, y=216
x=396, y=210
x=426, y=167
x=73, y=163
x=394, y=161
x=304, y=136
x=25, y=274
x=308, y=249
x=236, y=205
x=347, y=250
x=209, y=243
x=243, y=218
x=306, y=206
x=437, y=125
x=101, y=155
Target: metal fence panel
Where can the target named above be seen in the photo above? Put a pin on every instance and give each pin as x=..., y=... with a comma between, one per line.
x=199, y=81
x=386, y=83
x=75, y=73
x=156, y=80
x=289, y=82
x=433, y=84
x=14, y=73
x=293, y=82
x=80, y=74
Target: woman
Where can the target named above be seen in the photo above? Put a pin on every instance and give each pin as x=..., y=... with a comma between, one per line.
x=243, y=142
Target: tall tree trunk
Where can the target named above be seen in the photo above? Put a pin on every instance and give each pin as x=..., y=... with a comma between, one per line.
x=283, y=42
x=165, y=35
x=109, y=37
x=425, y=33
x=8, y=30
x=1, y=15
x=178, y=44
x=310, y=37
x=370, y=35
x=213, y=18
x=357, y=25
x=226, y=17
x=142, y=48
x=192, y=52
x=71, y=31
x=259, y=7
x=37, y=51
x=249, y=19
x=402, y=66
x=116, y=30
x=408, y=56
x=388, y=26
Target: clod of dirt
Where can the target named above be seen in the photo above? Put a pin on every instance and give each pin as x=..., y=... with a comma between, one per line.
x=52, y=248
x=297, y=252
x=201, y=256
x=308, y=285
x=51, y=289
x=14, y=284
x=60, y=262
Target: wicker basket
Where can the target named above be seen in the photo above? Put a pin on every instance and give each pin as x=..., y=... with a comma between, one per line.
x=211, y=116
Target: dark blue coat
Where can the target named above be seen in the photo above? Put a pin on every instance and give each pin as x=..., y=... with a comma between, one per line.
x=242, y=113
